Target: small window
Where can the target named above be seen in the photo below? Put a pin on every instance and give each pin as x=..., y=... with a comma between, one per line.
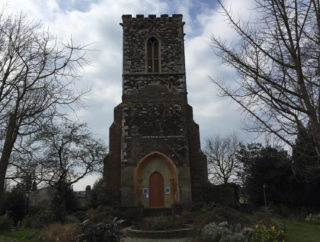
x=153, y=63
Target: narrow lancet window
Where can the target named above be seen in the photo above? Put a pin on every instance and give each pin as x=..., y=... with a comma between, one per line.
x=153, y=55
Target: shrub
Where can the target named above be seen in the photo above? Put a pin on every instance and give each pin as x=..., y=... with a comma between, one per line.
x=177, y=208
x=186, y=216
x=313, y=218
x=214, y=231
x=15, y=203
x=71, y=219
x=265, y=233
x=225, y=232
x=81, y=215
x=59, y=232
x=218, y=215
x=161, y=223
x=225, y=194
x=72, y=203
x=131, y=215
x=208, y=207
x=100, y=214
x=98, y=196
x=39, y=219
x=64, y=200
x=6, y=223
x=91, y=232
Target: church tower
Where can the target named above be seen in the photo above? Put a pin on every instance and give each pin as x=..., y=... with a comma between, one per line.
x=155, y=158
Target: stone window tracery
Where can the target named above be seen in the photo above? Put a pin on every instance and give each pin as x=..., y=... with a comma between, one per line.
x=153, y=63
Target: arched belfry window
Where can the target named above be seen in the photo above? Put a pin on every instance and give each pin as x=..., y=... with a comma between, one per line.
x=153, y=62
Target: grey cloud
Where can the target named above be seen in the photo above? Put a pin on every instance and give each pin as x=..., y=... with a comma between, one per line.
x=79, y=5
x=97, y=23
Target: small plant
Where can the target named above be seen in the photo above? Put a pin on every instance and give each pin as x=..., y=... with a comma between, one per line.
x=39, y=219
x=100, y=214
x=81, y=215
x=91, y=232
x=265, y=233
x=6, y=223
x=162, y=223
x=313, y=218
x=59, y=232
x=224, y=232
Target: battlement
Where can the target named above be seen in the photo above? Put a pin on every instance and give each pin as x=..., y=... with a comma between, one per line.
x=152, y=17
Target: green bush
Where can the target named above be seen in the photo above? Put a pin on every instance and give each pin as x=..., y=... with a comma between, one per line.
x=224, y=232
x=92, y=232
x=81, y=215
x=6, y=223
x=98, y=196
x=15, y=203
x=265, y=233
x=161, y=223
x=218, y=215
x=100, y=214
x=225, y=194
x=313, y=218
x=39, y=219
x=131, y=215
x=64, y=200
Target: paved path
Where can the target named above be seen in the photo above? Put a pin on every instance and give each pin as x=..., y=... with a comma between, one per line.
x=127, y=239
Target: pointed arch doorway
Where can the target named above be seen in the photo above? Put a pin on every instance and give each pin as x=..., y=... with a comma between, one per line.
x=156, y=181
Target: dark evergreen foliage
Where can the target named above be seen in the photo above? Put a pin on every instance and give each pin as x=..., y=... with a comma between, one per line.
x=224, y=194
x=306, y=171
x=284, y=179
x=15, y=204
x=98, y=195
x=266, y=167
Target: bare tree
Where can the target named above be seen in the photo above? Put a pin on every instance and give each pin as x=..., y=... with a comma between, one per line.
x=67, y=153
x=278, y=62
x=36, y=81
x=221, y=153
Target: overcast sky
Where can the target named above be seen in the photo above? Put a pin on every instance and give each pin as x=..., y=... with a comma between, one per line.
x=96, y=22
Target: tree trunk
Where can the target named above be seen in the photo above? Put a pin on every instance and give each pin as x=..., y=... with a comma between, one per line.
x=59, y=201
x=10, y=138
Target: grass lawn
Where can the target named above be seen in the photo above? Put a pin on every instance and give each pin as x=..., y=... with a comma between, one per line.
x=301, y=232
x=20, y=235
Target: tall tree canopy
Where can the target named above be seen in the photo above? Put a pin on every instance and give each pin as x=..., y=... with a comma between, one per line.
x=278, y=62
x=36, y=80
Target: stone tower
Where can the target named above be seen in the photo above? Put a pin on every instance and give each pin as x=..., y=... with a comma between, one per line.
x=155, y=158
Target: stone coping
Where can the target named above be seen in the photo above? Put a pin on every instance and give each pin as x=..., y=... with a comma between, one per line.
x=162, y=234
x=151, y=16
x=152, y=73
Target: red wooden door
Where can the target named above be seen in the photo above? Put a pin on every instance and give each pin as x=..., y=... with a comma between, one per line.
x=156, y=190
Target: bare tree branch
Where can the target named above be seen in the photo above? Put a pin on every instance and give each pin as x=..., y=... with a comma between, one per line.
x=36, y=80
x=279, y=68
x=221, y=153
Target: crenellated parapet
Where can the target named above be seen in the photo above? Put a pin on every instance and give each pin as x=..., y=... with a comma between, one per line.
x=152, y=17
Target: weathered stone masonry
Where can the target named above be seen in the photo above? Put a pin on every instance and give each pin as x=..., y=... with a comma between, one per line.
x=153, y=128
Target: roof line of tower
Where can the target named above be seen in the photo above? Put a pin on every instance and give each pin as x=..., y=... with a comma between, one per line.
x=152, y=16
